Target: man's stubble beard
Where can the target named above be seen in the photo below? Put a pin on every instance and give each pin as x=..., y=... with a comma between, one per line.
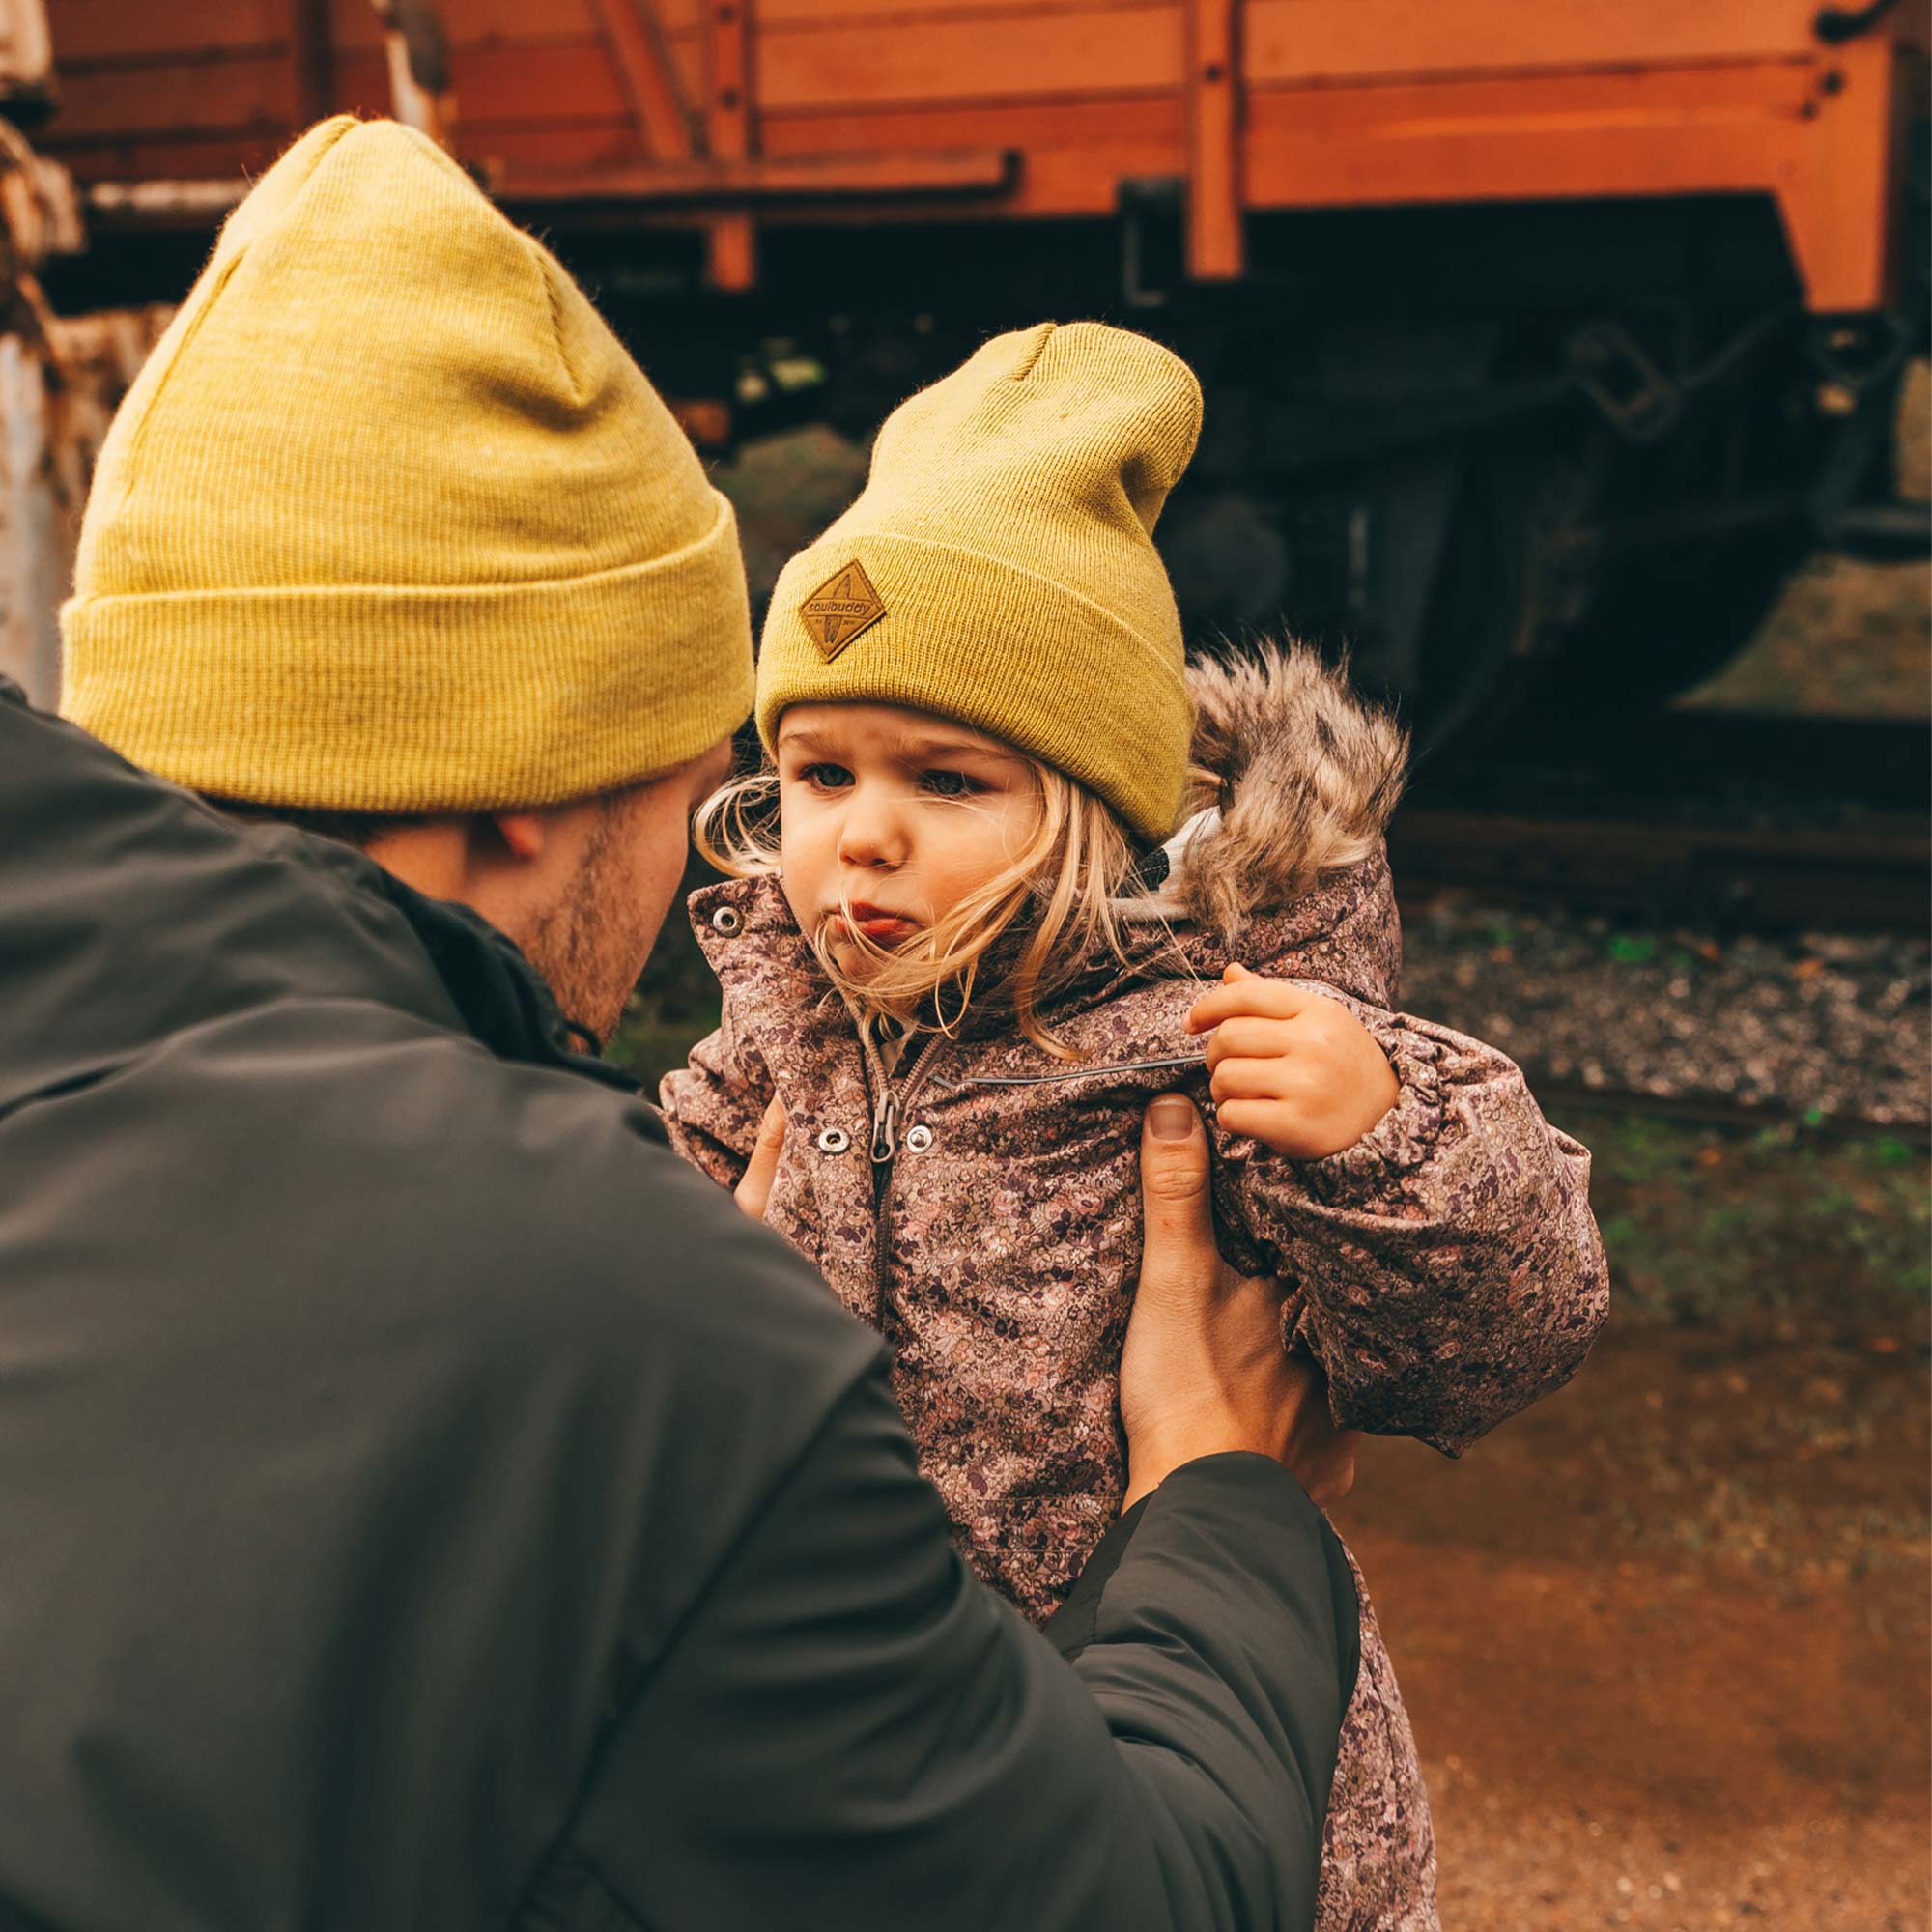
x=591, y=942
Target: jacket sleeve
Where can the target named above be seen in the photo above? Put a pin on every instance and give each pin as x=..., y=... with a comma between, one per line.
x=1446, y=1269
x=850, y=1732
x=713, y=1104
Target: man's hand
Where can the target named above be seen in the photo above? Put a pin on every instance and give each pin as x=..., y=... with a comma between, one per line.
x=754, y=1191
x=1291, y=1068
x=1204, y=1370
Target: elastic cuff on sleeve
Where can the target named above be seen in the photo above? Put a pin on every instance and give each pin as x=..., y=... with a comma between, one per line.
x=1237, y=1478
x=1407, y=1135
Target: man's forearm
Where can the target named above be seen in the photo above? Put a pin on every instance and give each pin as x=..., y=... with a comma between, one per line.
x=851, y=1732
x=1218, y=1628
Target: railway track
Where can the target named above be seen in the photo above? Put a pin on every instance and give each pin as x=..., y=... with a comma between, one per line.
x=1711, y=819
x=1562, y=1099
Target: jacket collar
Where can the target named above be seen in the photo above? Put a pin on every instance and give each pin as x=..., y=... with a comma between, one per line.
x=744, y=927
x=501, y=995
x=131, y=910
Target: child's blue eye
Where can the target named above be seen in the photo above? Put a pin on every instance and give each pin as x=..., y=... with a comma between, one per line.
x=951, y=784
x=826, y=777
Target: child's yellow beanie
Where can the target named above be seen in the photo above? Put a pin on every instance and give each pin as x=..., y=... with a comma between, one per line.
x=998, y=567
x=392, y=523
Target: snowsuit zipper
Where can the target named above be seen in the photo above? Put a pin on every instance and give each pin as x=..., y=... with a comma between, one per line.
x=1079, y=1072
x=886, y=1106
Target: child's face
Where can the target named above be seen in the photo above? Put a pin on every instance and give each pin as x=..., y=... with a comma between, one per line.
x=889, y=817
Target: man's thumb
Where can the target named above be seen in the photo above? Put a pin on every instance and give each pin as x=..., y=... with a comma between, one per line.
x=755, y=1189
x=1173, y=1172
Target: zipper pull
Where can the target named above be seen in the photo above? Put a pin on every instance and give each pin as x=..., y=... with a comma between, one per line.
x=885, y=1127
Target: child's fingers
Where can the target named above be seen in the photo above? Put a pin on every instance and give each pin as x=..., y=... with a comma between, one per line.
x=1266, y=1120
x=1268, y=999
x=1250, y=1039
x=1268, y=1079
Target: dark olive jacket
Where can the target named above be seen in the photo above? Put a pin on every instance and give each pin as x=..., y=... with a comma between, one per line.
x=426, y=1502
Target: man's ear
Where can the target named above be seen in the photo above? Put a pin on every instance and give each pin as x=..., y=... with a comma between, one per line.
x=525, y=834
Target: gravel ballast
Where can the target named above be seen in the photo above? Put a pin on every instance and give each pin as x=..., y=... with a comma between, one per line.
x=1828, y=1024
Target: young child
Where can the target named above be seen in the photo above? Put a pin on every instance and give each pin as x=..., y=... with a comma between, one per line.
x=974, y=946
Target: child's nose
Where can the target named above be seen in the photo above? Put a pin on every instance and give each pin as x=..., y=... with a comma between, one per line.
x=872, y=833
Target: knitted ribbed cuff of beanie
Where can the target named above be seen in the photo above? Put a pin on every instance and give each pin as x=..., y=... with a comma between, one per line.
x=390, y=522
x=999, y=566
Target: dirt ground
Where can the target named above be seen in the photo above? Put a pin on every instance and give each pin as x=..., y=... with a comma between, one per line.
x=1664, y=1639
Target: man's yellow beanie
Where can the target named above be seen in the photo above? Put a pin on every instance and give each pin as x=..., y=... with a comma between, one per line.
x=392, y=523
x=998, y=567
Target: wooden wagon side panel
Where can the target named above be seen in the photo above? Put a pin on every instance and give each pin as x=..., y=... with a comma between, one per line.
x=1253, y=105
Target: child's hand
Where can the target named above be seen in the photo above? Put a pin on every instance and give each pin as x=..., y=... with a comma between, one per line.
x=1291, y=1068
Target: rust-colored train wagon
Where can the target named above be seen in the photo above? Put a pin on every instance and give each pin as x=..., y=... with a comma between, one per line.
x=1541, y=341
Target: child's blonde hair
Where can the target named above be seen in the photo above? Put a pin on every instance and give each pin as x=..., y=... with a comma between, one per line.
x=1056, y=899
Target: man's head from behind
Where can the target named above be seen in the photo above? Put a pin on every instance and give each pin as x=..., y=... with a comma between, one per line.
x=391, y=532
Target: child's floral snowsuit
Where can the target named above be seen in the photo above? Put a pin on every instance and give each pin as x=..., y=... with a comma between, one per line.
x=1445, y=1270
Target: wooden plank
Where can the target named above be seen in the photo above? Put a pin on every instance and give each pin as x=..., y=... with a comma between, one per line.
x=1148, y=123
x=1214, y=251
x=362, y=81
x=1352, y=147
x=885, y=16
x=475, y=23
x=1419, y=110
x=1073, y=154
x=1852, y=166
x=731, y=244
x=220, y=157
x=728, y=80
x=85, y=31
x=313, y=50
x=507, y=86
x=176, y=99
x=1773, y=128
x=1110, y=50
x=761, y=177
x=651, y=87
x=1319, y=39
x=1290, y=167
x=554, y=146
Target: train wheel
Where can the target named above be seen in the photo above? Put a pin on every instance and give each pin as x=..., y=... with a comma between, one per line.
x=1657, y=624
x=1249, y=566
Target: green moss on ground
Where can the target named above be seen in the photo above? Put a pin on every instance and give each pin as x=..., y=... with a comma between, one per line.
x=1779, y=1227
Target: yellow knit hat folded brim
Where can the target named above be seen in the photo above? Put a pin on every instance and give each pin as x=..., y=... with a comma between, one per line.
x=1024, y=657
x=390, y=522
x=541, y=692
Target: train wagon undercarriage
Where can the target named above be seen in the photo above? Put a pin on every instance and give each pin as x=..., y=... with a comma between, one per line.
x=1539, y=348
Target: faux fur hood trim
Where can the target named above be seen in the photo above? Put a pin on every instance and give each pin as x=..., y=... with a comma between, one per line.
x=1294, y=774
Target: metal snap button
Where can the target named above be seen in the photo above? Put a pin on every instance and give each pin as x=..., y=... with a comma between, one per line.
x=725, y=920
x=834, y=1140
x=917, y=1139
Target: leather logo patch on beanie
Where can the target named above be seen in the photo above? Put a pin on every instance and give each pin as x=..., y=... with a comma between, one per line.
x=844, y=606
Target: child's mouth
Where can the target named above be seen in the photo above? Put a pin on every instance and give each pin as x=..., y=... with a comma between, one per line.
x=875, y=923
